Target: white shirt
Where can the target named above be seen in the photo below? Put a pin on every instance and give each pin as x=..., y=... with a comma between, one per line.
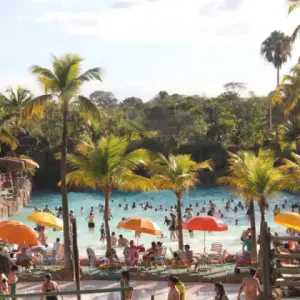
x=56, y=247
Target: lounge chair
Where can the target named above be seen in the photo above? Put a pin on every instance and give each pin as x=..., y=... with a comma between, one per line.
x=94, y=261
x=55, y=259
x=242, y=260
x=161, y=258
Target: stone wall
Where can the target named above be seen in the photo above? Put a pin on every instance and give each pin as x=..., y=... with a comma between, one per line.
x=10, y=207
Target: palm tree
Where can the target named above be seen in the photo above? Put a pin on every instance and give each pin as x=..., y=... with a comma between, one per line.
x=13, y=104
x=253, y=177
x=293, y=4
x=276, y=49
x=236, y=181
x=63, y=84
x=106, y=165
x=15, y=101
x=289, y=134
x=291, y=169
x=288, y=92
x=177, y=173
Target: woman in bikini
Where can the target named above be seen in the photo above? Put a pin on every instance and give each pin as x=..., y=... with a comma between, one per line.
x=50, y=286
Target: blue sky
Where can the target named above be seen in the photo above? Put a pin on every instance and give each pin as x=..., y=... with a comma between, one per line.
x=144, y=46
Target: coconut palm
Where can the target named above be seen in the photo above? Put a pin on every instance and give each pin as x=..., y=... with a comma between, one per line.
x=177, y=173
x=236, y=182
x=6, y=135
x=63, y=84
x=293, y=4
x=15, y=101
x=288, y=92
x=289, y=134
x=106, y=165
x=291, y=169
x=253, y=177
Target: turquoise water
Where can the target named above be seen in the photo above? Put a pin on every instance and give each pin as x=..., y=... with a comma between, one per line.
x=230, y=238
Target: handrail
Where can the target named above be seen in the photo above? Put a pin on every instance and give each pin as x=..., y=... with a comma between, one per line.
x=13, y=294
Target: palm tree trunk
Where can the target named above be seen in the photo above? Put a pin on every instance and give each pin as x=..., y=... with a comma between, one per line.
x=278, y=76
x=253, y=233
x=107, y=193
x=179, y=220
x=64, y=190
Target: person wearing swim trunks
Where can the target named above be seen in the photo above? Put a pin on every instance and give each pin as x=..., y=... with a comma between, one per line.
x=91, y=223
x=251, y=287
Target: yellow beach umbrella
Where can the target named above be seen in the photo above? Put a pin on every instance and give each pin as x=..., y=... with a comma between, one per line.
x=288, y=219
x=17, y=233
x=46, y=219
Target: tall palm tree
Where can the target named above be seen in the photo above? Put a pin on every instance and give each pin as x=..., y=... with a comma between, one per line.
x=177, y=173
x=276, y=49
x=63, y=84
x=291, y=169
x=293, y=4
x=254, y=177
x=236, y=181
x=288, y=92
x=106, y=165
x=15, y=101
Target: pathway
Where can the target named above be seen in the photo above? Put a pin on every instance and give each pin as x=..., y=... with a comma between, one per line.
x=142, y=290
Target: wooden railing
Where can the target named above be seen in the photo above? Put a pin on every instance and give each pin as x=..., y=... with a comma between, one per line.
x=270, y=262
x=122, y=290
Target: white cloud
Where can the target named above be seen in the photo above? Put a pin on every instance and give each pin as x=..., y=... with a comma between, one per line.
x=176, y=21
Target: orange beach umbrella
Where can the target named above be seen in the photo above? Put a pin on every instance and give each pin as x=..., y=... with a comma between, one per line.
x=205, y=223
x=140, y=225
x=17, y=233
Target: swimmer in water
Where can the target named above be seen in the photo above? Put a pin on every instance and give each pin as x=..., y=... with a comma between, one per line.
x=81, y=211
x=126, y=207
x=236, y=222
x=197, y=204
x=203, y=210
x=235, y=209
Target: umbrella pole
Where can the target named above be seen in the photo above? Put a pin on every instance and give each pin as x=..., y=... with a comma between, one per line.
x=204, y=242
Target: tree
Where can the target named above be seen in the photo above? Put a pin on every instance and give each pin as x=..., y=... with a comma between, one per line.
x=104, y=99
x=106, y=165
x=236, y=181
x=63, y=83
x=293, y=4
x=254, y=177
x=288, y=92
x=177, y=173
x=276, y=49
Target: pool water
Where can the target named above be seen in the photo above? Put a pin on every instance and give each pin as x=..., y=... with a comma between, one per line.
x=230, y=239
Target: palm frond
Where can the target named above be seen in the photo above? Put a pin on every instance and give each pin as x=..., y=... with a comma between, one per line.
x=89, y=109
x=9, y=139
x=34, y=107
x=91, y=74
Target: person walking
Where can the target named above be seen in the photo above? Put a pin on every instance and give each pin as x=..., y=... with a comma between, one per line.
x=220, y=292
x=125, y=277
x=50, y=286
x=173, y=291
x=250, y=285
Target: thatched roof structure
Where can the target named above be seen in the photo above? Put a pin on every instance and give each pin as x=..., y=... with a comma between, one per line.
x=11, y=163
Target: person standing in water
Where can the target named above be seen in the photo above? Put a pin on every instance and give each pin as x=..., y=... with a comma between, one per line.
x=91, y=223
x=250, y=285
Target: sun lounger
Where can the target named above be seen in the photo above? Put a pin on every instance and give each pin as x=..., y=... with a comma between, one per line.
x=94, y=261
x=160, y=259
